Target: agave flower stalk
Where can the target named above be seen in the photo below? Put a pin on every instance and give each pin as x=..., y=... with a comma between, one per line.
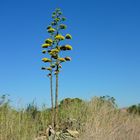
x=54, y=51
x=52, y=100
x=50, y=75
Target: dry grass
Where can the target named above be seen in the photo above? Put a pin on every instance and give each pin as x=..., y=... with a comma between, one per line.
x=20, y=125
x=97, y=120
x=104, y=122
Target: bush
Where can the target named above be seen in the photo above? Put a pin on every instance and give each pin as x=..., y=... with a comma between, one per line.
x=134, y=109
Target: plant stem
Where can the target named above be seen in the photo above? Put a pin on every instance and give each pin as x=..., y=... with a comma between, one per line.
x=52, y=105
x=56, y=103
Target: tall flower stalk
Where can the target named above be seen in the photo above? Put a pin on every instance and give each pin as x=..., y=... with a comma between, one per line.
x=54, y=50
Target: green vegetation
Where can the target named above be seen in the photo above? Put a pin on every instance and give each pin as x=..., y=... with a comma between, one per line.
x=134, y=109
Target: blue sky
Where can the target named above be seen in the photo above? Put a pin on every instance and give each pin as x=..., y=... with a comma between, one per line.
x=105, y=58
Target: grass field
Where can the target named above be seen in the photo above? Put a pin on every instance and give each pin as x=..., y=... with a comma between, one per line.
x=97, y=119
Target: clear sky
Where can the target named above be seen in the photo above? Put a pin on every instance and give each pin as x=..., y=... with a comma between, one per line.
x=105, y=58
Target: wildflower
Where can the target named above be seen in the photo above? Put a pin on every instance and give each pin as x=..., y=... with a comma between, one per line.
x=61, y=59
x=46, y=60
x=59, y=37
x=68, y=36
x=49, y=41
x=46, y=45
x=67, y=58
x=63, y=26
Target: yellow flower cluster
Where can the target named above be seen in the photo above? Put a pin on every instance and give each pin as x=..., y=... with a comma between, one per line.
x=68, y=36
x=55, y=51
x=49, y=68
x=51, y=45
x=67, y=58
x=61, y=59
x=63, y=26
x=59, y=37
x=46, y=60
x=51, y=30
x=55, y=56
x=43, y=51
x=46, y=45
x=49, y=27
x=53, y=23
x=52, y=66
x=49, y=41
x=66, y=47
x=57, y=19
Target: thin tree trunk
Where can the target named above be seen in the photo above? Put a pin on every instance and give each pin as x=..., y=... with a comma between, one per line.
x=52, y=101
x=56, y=103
